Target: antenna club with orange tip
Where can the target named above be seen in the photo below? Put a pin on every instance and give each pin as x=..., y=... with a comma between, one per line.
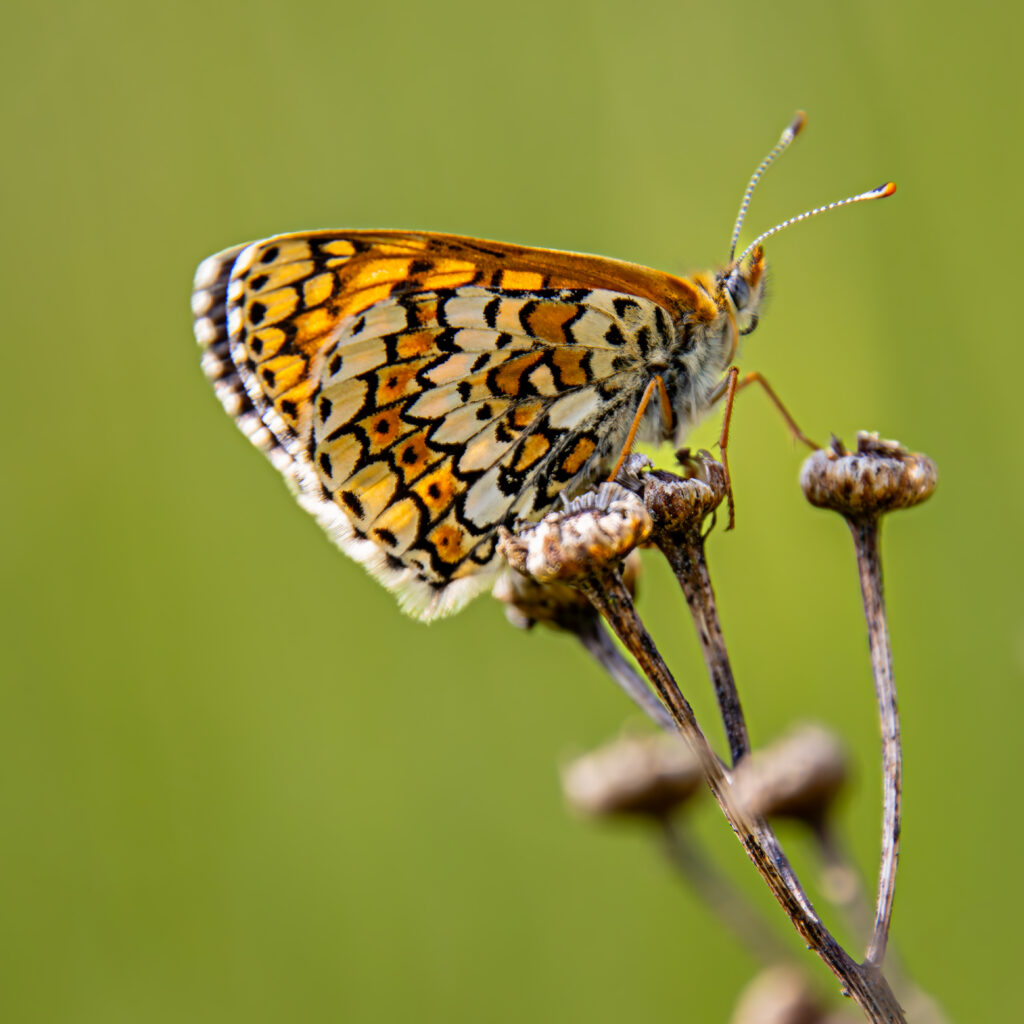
x=881, y=192
x=789, y=134
x=796, y=126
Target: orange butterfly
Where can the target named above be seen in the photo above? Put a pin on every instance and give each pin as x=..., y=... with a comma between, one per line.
x=419, y=390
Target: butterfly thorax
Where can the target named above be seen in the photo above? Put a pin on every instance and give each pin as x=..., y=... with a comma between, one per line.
x=713, y=309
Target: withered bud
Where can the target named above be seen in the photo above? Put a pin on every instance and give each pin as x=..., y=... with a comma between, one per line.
x=780, y=995
x=675, y=503
x=633, y=776
x=879, y=477
x=798, y=776
x=592, y=532
x=554, y=604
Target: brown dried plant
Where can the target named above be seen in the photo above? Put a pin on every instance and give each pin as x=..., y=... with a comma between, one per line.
x=575, y=570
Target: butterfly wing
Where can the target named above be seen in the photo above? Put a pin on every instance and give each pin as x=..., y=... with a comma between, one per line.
x=418, y=391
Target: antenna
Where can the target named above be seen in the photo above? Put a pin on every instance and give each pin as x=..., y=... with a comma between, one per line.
x=876, y=193
x=793, y=129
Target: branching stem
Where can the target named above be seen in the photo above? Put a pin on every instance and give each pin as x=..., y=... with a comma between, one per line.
x=864, y=983
x=685, y=553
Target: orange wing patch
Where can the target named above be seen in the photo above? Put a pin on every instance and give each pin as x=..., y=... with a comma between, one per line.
x=450, y=541
x=522, y=280
x=577, y=458
x=437, y=490
x=413, y=457
x=533, y=448
x=569, y=363
x=384, y=428
x=509, y=379
x=525, y=413
x=395, y=382
x=548, y=320
x=418, y=344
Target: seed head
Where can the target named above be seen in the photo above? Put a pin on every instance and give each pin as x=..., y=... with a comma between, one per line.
x=879, y=477
x=677, y=503
x=590, y=535
x=781, y=995
x=633, y=776
x=798, y=776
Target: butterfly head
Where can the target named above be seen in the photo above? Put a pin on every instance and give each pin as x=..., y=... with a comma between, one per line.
x=742, y=288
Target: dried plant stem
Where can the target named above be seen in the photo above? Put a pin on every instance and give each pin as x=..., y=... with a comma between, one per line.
x=865, y=538
x=864, y=983
x=601, y=647
x=728, y=905
x=842, y=884
x=685, y=553
x=879, y=477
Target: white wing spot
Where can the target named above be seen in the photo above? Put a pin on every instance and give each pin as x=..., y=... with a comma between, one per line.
x=205, y=331
x=208, y=271
x=245, y=259
x=570, y=411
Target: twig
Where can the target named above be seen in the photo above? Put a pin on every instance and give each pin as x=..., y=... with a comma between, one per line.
x=677, y=514
x=879, y=477
x=864, y=983
x=583, y=546
x=865, y=537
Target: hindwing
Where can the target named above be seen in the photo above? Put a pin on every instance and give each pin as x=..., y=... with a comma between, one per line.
x=418, y=391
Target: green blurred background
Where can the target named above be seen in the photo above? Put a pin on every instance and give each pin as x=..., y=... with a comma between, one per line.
x=246, y=788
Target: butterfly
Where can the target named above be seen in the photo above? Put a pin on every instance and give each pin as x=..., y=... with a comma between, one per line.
x=418, y=390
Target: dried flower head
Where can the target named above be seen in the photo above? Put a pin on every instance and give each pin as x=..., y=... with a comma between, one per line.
x=798, y=776
x=780, y=995
x=677, y=503
x=647, y=775
x=592, y=533
x=879, y=477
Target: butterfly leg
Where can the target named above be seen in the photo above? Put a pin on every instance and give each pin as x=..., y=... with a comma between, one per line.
x=656, y=383
x=728, y=388
x=755, y=378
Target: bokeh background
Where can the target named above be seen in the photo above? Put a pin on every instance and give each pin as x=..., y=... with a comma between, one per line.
x=236, y=783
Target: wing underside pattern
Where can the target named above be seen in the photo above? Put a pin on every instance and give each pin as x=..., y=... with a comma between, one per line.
x=417, y=393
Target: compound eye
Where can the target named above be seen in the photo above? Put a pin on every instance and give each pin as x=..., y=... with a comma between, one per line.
x=739, y=290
